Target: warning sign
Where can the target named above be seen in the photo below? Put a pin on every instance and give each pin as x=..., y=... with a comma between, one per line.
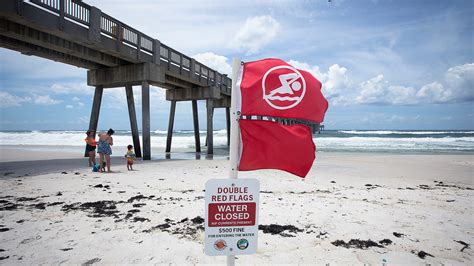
x=231, y=216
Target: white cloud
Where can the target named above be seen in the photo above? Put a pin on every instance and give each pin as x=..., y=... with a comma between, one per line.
x=335, y=82
x=9, y=100
x=379, y=91
x=256, y=33
x=214, y=61
x=44, y=100
x=458, y=86
x=75, y=99
x=434, y=91
x=69, y=106
x=72, y=88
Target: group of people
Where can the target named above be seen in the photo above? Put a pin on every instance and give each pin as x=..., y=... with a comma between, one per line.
x=104, y=149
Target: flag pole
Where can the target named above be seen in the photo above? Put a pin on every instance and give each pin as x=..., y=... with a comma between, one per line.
x=234, y=133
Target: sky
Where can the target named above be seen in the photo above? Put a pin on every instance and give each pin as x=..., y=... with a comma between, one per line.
x=405, y=64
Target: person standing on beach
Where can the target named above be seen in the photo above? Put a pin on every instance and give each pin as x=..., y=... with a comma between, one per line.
x=130, y=155
x=90, y=146
x=104, y=148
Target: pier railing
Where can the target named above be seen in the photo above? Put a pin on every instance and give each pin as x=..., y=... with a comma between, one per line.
x=176, y=62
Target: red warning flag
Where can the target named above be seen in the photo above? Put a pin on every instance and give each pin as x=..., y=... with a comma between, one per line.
x=272, y=87
x=270, y=145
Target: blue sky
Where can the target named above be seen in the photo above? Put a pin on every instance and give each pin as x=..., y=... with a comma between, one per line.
x=383, y=64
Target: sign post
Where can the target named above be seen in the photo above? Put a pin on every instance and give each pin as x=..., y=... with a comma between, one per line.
x=234, y=132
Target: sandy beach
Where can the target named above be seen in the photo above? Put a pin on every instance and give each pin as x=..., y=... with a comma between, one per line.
x=353, y=208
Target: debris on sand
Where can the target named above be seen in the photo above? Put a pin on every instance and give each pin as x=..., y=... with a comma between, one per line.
x=422, y=254
x=385, y=242
x=356, y=243
x=322, y=235
x=92, y=261
x=104, y=208
x=137, y=198
x=25, y=199
x=186, y=228
x=4, y=229
x=39, y=206
x=140, y=219
x=158, y=227
x=466, y=245
x=197, y=220
x=276, y=229
x=4, y=258
x=65, y=249
x=441, y=184
x=398, y=234
x=6, y=205
x=55, y=203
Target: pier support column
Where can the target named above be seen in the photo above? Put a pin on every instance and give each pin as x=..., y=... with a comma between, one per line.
x=146, y=121
x=227, y=120
x=94, y=120
x=210, y=115
x=170, y=126
x=133, y=120
x=197, y=140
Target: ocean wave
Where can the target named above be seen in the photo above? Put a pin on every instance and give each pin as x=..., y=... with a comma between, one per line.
x=185, y=139
x=389, y=144
x=78, y=139
x=388, y=132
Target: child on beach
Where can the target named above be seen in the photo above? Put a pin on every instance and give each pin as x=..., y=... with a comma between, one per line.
x=130, y=157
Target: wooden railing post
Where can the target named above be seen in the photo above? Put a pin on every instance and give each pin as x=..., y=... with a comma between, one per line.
x=118, y=36
x=19, y=7
x=62, y=11
x=192, y=69
x=139, y=46
x=156, y=51
x=94, y=24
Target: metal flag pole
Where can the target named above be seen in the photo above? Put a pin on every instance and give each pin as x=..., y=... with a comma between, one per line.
x=234, y=133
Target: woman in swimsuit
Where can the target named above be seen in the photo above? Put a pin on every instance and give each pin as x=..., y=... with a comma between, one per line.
x=104, y=148
x=90, y=146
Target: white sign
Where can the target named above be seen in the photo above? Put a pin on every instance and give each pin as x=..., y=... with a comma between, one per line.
x=231, y=216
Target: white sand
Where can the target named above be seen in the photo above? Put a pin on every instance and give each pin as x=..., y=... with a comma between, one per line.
x=333, y=203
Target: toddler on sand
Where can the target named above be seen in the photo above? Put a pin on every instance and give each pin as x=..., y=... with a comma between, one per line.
x=130, y=157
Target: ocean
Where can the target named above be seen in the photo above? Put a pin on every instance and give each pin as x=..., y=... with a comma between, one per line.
x=383, y=141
